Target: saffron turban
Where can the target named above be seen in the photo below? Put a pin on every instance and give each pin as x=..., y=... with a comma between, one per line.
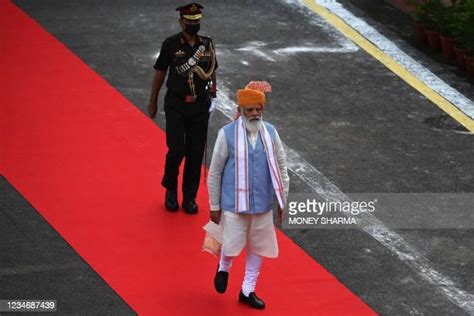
x=253, y=94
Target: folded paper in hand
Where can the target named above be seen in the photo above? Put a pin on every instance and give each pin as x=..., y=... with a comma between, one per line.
x=213, y=239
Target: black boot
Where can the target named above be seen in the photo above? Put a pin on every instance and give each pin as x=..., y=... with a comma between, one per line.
x=220, y=280
x=252, y=300
x=190, y=206
x=171, y=201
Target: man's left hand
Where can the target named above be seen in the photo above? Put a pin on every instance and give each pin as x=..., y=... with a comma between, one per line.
x=216, y=216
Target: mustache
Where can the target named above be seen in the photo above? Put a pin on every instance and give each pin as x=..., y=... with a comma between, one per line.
x=255, y=119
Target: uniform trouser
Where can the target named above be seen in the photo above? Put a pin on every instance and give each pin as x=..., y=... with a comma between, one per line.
x=186, y=134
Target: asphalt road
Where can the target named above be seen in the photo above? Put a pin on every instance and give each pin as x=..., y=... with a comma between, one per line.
x=337, y=107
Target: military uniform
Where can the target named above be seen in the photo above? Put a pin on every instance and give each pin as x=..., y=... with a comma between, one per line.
x=186, y=106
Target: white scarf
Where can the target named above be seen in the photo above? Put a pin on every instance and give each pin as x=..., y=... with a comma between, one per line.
x=241, y=167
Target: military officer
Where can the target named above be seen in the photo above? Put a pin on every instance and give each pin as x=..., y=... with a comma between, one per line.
x=190, y=61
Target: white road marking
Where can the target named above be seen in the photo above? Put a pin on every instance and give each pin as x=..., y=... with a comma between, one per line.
x=255, y=49
x=260, y=49
x=311, y=49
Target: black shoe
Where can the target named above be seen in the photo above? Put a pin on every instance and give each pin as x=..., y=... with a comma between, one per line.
x=190, y=206
x=171, y=201
x=220, y=280
x=252, y=300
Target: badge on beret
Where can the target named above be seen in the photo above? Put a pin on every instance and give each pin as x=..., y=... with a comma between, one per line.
x=191, y=11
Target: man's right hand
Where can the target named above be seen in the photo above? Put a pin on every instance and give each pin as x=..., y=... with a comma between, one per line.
x=216, y=216
x=152, y=109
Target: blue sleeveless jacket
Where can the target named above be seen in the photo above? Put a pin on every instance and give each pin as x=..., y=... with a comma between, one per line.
x=261, y=190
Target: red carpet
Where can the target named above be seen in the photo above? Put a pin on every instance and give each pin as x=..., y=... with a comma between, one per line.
x=91, y=163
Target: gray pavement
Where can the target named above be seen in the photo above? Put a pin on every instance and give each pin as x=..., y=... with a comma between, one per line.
x=342, y=111
x=398, y=27
x=37, y=263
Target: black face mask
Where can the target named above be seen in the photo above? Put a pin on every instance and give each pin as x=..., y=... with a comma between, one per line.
x=192, y=29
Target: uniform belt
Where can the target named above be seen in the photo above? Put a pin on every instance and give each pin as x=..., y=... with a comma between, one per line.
x=188, y=98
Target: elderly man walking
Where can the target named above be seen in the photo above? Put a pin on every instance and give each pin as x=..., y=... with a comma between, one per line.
x=247, y=171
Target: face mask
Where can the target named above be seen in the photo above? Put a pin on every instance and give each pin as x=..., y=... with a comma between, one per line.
x=192, y=29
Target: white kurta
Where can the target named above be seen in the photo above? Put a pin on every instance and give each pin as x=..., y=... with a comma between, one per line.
x=255, y=230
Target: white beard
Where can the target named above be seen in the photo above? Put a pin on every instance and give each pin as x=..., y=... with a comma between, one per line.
x=252, y=126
